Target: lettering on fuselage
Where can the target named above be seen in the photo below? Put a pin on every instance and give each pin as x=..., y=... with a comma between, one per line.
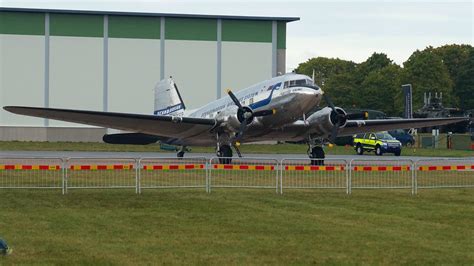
x=228, y=104
x=169, y=110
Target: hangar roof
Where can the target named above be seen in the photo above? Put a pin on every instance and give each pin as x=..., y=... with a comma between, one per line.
x=120, y=13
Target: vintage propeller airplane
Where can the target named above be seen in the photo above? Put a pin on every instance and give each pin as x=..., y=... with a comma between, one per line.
x=275, y=109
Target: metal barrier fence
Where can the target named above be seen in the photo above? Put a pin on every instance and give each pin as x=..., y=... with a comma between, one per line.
x=300, y=174
x=244, y=173
x=267, y=173
x=381, y=174
x=84, y=173
x=172, y=173
x=444, y=173
x=32, y=173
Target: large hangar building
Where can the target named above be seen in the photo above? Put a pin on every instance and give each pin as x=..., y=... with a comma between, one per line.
x=111, y=61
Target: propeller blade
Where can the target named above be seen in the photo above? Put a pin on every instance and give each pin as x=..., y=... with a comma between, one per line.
x=236, y=147
x=334, y=133
x=329, y=102
x=264, y=113
x=234, y=98
x=242, y=128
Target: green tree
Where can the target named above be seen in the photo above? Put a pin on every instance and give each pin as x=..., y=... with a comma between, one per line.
x=381, y=90
x=375, y=62
x=465, y=82
x=454, y=58
x=342, y=91
x=325, y=68
x=426, y=71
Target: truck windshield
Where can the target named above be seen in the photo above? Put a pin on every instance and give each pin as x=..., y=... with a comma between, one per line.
x=384, y=135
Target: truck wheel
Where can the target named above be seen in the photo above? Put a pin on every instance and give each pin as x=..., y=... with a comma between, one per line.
x=359, y=149
x=378, y=150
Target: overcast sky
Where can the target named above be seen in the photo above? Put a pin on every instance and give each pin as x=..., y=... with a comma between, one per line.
x=350, y=30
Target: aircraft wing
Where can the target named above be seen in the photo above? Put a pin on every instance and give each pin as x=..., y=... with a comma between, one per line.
x=361, y=126
x=166, y=126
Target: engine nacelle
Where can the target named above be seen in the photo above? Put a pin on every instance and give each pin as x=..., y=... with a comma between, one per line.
x=228, y=119
x=324, y=120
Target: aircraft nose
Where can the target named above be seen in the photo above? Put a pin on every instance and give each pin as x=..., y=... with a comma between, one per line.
x=316, y=91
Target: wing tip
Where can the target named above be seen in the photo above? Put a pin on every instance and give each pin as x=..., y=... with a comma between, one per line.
x=13, y=109
x=9, y=108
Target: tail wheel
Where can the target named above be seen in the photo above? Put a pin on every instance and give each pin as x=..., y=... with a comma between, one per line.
x=359, y=149
x=378, y=150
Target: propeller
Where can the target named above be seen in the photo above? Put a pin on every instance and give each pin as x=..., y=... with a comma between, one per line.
x=245, y=115
x=338, y=118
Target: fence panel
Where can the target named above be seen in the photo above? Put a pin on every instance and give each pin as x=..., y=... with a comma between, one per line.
x=101, y=173
x=444, y=173
x=172, y=173
x=387, y=174
x=299, y=173
x=31, y=173
x=244, y=173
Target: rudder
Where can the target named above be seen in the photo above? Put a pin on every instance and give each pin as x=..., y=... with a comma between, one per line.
x=167, y=98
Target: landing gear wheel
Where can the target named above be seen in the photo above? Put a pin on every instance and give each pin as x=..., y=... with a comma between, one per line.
x=397, y=153
x=378, y=151
x=180, y=154
x=317, y=156
x=359, y=149
x=225, y=154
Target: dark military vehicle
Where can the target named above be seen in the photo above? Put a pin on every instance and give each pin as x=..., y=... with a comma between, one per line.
x=433, y=107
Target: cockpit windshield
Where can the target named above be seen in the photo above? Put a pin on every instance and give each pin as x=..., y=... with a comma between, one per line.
x=299, y=82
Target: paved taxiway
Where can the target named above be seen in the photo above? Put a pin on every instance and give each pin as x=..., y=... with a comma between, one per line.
x=65, y=154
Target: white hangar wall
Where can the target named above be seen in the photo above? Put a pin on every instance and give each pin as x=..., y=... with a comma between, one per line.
x=108, y=61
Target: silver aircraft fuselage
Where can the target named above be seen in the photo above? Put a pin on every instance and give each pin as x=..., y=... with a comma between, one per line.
x=290, y=95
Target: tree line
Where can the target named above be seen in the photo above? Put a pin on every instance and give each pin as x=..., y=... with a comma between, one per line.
x=376, y=82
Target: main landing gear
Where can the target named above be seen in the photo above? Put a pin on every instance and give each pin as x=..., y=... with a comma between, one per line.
x=181, y=152
x=315, y=151
x=224, y=148
x=224, y=152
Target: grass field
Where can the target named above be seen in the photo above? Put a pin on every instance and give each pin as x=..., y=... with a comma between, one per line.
x=238, y=227
x=246, y=149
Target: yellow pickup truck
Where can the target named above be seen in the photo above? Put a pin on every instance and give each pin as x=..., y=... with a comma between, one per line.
x=380, y=143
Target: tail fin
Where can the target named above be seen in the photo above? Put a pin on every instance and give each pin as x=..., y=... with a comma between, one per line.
x=167, y=98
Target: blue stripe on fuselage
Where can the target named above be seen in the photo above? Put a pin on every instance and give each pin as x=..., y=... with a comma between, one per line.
x=267, y=100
